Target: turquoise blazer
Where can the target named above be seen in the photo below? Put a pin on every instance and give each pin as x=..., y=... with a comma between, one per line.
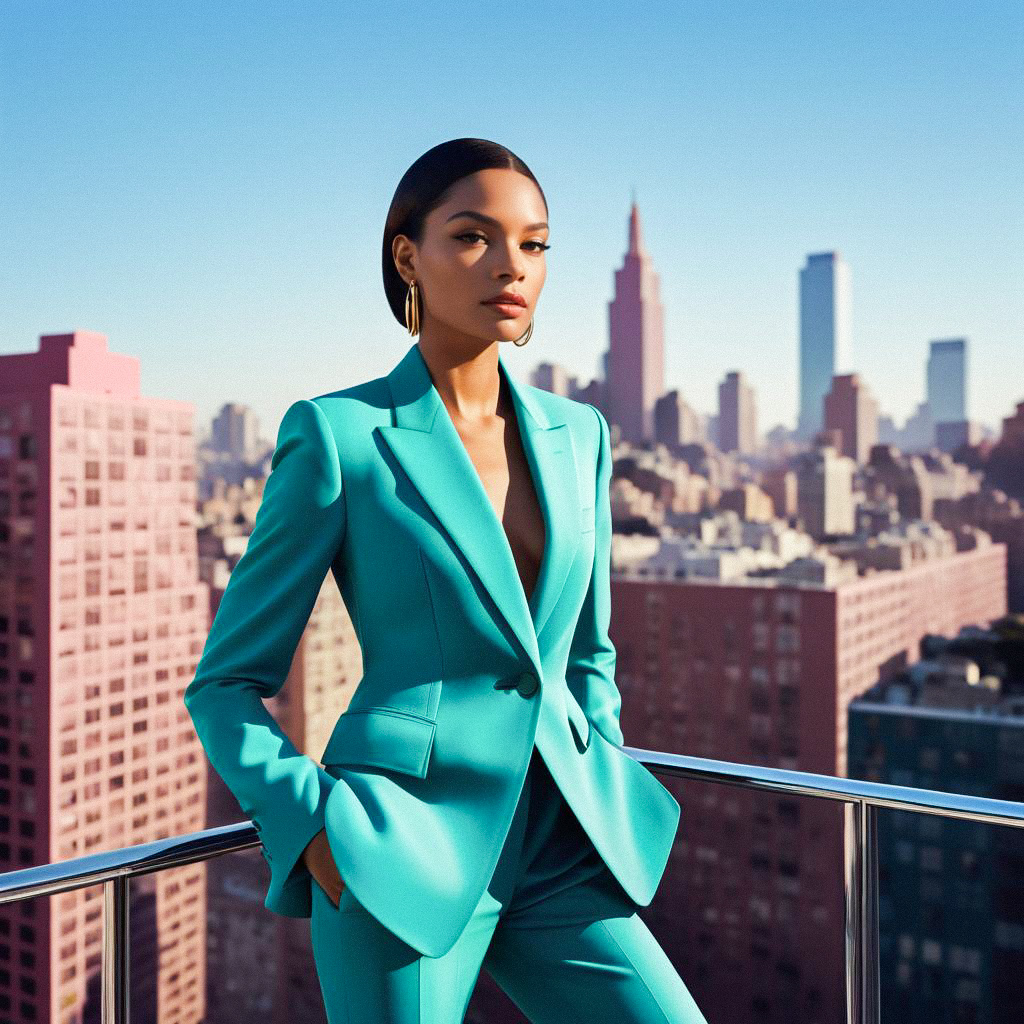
x=462, y=675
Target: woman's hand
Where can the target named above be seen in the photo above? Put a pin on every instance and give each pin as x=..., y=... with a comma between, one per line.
x=319, y=860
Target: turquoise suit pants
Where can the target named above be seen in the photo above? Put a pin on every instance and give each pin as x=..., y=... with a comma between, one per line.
x=554, y=929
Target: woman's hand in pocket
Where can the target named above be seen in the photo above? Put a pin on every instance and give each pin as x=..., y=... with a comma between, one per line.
x=319, y=860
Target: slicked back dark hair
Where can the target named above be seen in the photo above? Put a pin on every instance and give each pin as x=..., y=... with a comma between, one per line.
x=424, y=187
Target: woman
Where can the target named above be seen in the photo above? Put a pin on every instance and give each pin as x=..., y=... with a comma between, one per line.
x=474, y=807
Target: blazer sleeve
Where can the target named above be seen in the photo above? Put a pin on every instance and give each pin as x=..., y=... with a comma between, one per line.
x=297, y=534
x=590, y=674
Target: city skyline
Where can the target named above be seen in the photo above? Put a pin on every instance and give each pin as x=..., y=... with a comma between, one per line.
x=214, y=213
x=793, y=217
x=817, y=611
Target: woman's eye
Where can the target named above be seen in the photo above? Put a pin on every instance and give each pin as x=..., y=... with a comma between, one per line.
x=470, y=235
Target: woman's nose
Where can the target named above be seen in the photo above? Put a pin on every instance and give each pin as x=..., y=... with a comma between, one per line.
x=513, y=262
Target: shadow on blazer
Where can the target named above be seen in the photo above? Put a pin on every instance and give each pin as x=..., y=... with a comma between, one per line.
x=461, y=674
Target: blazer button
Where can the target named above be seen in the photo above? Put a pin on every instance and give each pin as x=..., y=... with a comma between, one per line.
x=527, y=685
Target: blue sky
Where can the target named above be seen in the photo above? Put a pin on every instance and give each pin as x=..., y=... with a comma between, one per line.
x=209, y=187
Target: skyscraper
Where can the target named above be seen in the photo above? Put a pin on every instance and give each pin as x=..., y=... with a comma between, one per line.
x=737, y=415
x=235, y=432
x=947, y=380
x=102, y=620
x=825, y=334
x=675, y=421
x=636, y=351
x=851, y=410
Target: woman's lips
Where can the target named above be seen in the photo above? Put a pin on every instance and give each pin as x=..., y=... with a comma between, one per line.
x=510, y=309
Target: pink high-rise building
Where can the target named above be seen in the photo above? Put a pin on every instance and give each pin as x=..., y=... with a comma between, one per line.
x=763, y=673
x=102, y=621
x=636, y=351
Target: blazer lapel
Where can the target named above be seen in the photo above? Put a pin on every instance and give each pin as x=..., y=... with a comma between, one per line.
x=427, y=446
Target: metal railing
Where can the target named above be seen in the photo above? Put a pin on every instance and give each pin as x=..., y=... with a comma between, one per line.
x=861, y=800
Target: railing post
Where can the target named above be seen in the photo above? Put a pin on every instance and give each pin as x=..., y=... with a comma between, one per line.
x=116, y=952
x=860, y=841
x=851, y=909
x=869, y=964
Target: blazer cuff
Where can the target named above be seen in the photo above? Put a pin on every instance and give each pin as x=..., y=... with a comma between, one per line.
x=285, y=837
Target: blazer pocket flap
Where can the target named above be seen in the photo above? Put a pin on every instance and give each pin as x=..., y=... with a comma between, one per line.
x=381, y=738
x=577, y=720
x=586, y=519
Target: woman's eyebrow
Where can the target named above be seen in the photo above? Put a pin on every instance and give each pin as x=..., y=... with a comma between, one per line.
x=490, y=220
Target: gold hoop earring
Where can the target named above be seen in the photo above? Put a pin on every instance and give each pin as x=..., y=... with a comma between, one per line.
x=412, y=309
x=526, y=337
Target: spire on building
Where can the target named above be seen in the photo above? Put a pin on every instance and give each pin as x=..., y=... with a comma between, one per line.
x=636, y=238
x=635, y=365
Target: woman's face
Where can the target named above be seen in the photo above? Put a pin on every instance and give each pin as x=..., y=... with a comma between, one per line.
x=487, y=237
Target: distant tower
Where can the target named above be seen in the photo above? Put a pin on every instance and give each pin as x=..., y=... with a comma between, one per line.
x=947, y=380
x=552, y=377
x=737, y=415
x=675, y=421
x=235, y=432
x=850, y=409
x=825, y=334
x=636, y=351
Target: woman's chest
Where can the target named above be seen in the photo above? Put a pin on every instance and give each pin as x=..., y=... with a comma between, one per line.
x=499, y=460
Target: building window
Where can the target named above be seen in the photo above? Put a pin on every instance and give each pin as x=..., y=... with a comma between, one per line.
x=141, y=575
x=787, y=639
x=760, y=632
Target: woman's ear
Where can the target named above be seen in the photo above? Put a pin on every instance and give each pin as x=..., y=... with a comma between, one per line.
x=403, y=252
